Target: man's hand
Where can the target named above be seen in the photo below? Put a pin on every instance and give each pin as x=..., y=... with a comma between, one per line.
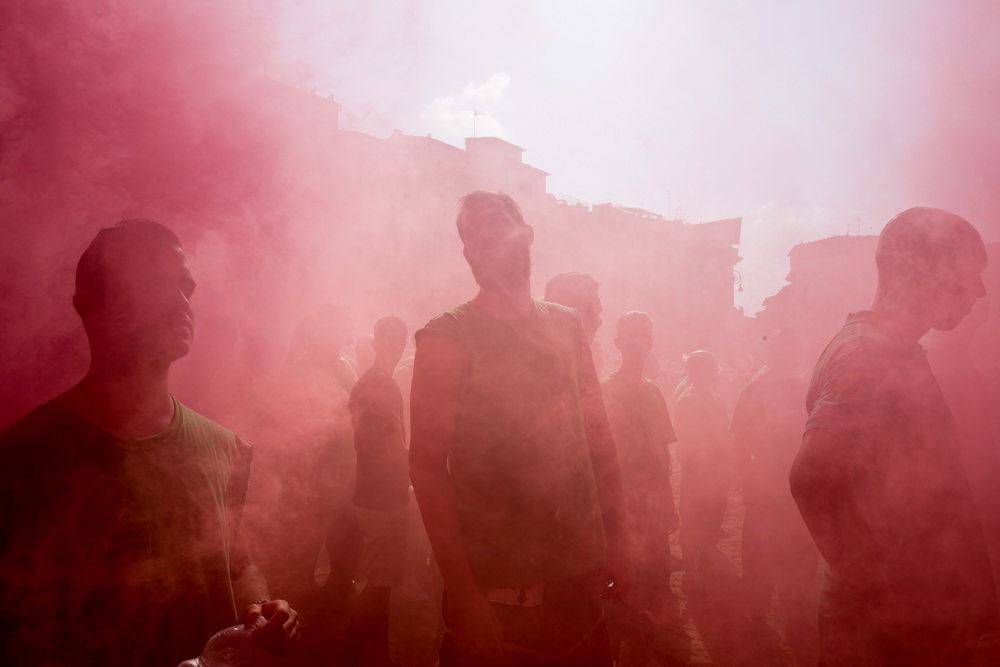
x=280, y=632
x=475, y=625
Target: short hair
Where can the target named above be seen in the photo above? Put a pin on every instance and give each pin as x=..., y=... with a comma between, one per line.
x=701, y=364
x=128, y=237
x=924, y=240
x=633, y=318
x=570, y=289
x=390, y=327
x=474, y=204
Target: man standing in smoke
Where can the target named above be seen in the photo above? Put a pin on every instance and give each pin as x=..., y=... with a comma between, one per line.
x=777, y=551
x=120, y=536
x=878, y=477
x=381, y=495
x=580, y=292
x=705, y=443
x=643, y=432
x=513, y=462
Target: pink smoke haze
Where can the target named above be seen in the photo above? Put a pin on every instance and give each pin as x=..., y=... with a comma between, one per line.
x=695, y=158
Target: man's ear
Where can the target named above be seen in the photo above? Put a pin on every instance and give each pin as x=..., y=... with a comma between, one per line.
x=529, y=232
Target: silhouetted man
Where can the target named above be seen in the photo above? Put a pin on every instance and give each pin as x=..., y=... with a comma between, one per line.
x=311, y=460
x=878, y=477
x=513, y=461
x=706, y=460
x=643, y=433
x=381, y=495
x=777, y=551
x=120, y=536
x=580, y=292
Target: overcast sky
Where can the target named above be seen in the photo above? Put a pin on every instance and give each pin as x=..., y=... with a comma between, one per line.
x=806, y=119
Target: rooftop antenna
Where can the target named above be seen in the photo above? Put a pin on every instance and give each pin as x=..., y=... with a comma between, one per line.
x=474, y=115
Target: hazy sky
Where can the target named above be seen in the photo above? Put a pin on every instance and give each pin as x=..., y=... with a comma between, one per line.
x=804, y=118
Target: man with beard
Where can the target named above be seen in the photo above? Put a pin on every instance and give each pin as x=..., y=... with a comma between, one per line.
x=879, y=478
x=513, y=462
x=120, y=537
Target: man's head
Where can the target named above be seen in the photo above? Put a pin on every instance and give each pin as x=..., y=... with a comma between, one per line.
x=702, y=368
x=389, y=340
x=496, y=240
x=134, y=289
x=577, y=290
x=931, y=262
x=635, y=335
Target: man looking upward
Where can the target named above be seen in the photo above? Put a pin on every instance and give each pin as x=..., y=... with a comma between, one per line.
x=513, y=462
x=120, y=536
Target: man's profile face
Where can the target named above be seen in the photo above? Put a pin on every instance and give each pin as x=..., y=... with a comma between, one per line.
x=953, y=290
x=497, y=249
x=635, y=338
x=147, y=303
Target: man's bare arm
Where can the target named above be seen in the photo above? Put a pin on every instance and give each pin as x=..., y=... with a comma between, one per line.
x=604, y=460
x=824, y=481
x=281, y=630
x=438, y=374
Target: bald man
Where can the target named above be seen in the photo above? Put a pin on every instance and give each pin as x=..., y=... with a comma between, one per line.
x=878, y=477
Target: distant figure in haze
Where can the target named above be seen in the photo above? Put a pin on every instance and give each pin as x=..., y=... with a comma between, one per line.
x=643, y=433
x=381, y=496
x=513, y=462
x=120, y=536
x=580, y=291
x=777, y=551
x=319, y=456
x=706, y=459
x=879, y=479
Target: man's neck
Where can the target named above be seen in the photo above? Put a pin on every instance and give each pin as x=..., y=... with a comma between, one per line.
x=896, y=320
x=386, y=364
x=515, y=304
x=631, y=368
x=135, y=404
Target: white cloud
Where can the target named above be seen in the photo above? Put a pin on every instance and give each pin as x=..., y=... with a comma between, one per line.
x=452, y=118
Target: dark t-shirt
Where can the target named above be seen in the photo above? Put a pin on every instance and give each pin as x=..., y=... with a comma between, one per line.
x=117, y=551
x=377, y=414
x=643, y=432
x=705, y=441
x=519, y=462
x=882, y=399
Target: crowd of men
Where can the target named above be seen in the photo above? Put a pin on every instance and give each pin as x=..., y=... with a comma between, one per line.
x=544, y=490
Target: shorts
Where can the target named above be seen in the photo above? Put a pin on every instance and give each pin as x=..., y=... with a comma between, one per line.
x=383, y=560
